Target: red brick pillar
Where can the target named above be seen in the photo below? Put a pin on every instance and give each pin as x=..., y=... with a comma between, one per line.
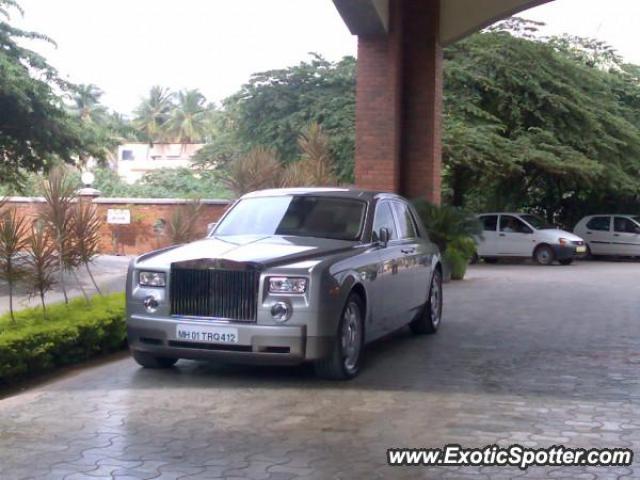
x=379, y=107
x=399, y=104
x=422, y=101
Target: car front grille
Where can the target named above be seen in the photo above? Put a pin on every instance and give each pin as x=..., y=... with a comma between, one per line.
x=211, y=293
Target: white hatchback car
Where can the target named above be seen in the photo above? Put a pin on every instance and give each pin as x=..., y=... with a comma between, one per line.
x=527, y=236
x=611, y=234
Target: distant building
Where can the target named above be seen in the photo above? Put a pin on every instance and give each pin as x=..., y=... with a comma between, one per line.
x=135, y=159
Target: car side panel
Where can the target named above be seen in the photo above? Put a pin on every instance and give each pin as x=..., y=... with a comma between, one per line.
x=599, y=241
x=364, y=270
x=625, y=242
x=488, y=244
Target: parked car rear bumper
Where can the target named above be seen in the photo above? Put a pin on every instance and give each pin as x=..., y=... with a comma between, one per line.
x=257, y=344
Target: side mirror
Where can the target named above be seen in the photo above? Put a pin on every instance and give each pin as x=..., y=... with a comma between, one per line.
x=383, y=236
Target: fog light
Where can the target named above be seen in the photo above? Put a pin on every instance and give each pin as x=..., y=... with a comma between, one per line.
x=281, y=312
x=151, y=304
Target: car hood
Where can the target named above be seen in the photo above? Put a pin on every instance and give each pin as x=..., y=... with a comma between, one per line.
x=259, y=250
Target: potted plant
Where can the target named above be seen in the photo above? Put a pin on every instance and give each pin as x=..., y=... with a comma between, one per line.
x=453, y=230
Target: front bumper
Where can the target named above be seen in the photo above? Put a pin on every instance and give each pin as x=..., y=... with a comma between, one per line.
x=566, y=252
x=257, y=344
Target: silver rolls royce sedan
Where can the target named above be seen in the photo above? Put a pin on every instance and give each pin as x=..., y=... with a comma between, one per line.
x=288, y=276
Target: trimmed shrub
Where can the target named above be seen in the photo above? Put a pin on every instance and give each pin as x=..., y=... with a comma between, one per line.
x=69, y=334
x=457, y=262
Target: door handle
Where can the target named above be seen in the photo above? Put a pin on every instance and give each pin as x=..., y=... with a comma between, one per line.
x=502, y=235
x=616, y=234
x=588, y=233
x=407, y=251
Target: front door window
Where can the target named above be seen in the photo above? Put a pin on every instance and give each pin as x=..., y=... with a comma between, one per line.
x=515, y=237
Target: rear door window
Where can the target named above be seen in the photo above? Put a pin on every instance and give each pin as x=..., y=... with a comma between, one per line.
x=624, y=225
x=599, y=224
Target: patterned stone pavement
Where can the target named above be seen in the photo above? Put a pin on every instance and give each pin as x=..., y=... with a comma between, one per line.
x=537, y=356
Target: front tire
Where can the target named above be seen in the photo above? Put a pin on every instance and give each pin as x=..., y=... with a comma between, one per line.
x=429, y=322
x=344, y=361
x=147, y=360
x=544, y=255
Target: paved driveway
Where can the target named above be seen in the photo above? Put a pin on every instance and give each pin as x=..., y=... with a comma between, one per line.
x=109, y=272
x=532, y=355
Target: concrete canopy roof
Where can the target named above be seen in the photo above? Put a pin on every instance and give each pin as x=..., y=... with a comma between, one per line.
x=458, y=18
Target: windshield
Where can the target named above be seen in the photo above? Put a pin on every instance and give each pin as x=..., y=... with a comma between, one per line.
x=295, y=215
x=537, y=222
x=636, y=219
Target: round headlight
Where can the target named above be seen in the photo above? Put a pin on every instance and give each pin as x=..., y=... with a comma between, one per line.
x=281, y=312
x=151, y=304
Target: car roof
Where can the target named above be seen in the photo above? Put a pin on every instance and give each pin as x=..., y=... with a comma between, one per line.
x=346, y=192
x=612, y=215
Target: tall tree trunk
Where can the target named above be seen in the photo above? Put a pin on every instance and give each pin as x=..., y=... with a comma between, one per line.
x=44, y=306
x=61, y=267
x=10, y=282
x=13, y=318
x=84, y=292
x=93, y=279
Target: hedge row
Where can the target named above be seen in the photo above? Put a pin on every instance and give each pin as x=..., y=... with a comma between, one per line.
x=69, y=334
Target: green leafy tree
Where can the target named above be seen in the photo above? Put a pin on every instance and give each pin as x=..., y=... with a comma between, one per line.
x=530, y=124
x=35, y=126
x=275, y=106
x=101, y=131
x=179, y=183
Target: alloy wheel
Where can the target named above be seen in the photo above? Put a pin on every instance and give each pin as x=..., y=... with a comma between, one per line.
x=351, y=336
x=435, y=300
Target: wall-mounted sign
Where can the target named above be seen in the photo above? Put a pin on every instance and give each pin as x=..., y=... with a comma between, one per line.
x=118, y=216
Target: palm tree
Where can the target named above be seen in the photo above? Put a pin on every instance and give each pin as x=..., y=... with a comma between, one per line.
x=86, y=103
x=42, y=262
x=316, y=163
x=190, y=118
x=85, y=227
x=13, y=229
x=152, y=114
x=59, y=196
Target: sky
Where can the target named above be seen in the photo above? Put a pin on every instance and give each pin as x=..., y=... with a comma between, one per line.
x=126, y=46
